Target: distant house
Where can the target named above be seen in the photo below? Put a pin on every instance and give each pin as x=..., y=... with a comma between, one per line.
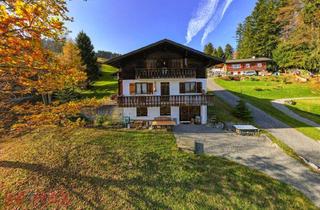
x=249, y=66
x=164, y=79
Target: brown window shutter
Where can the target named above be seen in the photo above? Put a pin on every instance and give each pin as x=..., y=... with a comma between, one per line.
x=199, y=87
x=150, y=88
x=132, y=88
x=182, y=87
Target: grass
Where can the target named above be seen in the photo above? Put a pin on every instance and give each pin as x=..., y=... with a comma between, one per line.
x=106, y=85
x=222, y=111
x=261, y=93
x=116, y=169
x=308, y=108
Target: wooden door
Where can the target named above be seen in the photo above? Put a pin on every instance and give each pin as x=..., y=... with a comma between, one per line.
x=189, y=112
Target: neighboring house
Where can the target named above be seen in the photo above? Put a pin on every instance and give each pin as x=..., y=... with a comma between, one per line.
x=164, y=79
x=247, y=66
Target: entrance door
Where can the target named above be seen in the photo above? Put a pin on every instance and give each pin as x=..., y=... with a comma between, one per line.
x=189, y=112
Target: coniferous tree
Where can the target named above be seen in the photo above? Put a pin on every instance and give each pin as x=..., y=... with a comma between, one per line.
x=88, y=56
x=228, y=52
x=242, y=112
x=208, y=48
x=220, y=53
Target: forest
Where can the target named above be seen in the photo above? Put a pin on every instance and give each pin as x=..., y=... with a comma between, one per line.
x=288, y=31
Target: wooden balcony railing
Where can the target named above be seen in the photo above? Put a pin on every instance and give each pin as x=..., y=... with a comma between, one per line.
x=172, y=100
x=143, y=73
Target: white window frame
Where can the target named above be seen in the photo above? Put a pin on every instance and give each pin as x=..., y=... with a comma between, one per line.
x=236, y=66
x=259, y=65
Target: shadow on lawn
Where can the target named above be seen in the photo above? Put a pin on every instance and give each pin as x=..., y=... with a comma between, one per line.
x=155, y=173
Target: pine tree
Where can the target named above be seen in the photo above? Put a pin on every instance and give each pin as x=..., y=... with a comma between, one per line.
x=242, y=112
x=208, y=49
x=220, y=53
x=228, y=51
x=88, y=55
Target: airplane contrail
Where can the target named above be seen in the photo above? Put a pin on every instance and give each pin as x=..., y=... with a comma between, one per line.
x=216, y=19
x=208, y=15
x=201, y=18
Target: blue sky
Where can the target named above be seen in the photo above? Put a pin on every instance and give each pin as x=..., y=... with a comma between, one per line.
x=124, y=25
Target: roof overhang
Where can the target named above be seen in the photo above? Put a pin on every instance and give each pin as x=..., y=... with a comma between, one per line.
x=116, y=62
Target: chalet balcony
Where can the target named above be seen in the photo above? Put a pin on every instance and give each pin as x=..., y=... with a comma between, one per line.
x=172, y=100
x=144, y=73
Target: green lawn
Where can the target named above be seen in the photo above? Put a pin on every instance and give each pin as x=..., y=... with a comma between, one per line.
x=106, y=85
x=261, y=93
x=117, y=169
x=309, y=108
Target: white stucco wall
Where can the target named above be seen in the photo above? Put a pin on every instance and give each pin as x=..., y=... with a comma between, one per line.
x=174, y=85
x=204, y=114
x=174, y=90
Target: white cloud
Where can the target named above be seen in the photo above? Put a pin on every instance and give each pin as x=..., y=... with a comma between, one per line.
x=201, y=18
x=216, y=19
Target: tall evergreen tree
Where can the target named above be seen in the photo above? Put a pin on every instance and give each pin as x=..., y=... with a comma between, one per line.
x=208, y=48
x=88, y=56
x=228, y=52
x=220, y=53
x=258, y=35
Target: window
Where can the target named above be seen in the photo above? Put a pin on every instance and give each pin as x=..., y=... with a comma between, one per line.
x=165, y=111
x=259, y=65
x=190, y=87
x=142, y=111
x=247, y=65
x=236, y=66
x=141, y=88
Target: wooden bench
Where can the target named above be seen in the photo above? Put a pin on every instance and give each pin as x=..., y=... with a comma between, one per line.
x=163, y=122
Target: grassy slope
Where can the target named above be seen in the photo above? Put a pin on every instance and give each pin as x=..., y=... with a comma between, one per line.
x=134, y=170
x=309, y=108
x=106, y=85
x=268, y=91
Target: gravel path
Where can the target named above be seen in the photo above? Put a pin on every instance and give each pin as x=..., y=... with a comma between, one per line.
x=280, y=105
x=303, y=145
x=256, y=152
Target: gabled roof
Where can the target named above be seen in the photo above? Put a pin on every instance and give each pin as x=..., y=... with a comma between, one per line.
x=261, y=59
x=117, y=60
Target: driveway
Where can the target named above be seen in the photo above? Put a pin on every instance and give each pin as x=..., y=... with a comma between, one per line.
x=256, y=152
x=301, y=144
x=280, y=105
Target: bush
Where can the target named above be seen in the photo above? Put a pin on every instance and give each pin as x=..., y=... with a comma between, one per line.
x=258, y=89
x=242, y=112
x=100, y=120
x=67, y=95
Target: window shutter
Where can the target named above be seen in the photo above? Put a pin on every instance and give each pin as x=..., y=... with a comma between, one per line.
x=150, y=88
x=199, y=87
x=182, y=87
x=132, y=88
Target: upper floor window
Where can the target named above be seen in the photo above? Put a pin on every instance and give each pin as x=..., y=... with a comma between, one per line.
x=259, y=64
x=247, y=65
x=236, y=66
x=141, y=88
x=190, y=87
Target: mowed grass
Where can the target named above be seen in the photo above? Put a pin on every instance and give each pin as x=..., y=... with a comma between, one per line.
x=261, y=93
x=309, y=108
x=119, y=169
x=106, y=85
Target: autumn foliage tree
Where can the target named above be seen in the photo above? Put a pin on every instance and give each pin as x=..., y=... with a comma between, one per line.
x=26, y=67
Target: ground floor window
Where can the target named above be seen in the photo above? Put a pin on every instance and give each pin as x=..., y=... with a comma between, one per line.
x=142, y=111
x=165, y=110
